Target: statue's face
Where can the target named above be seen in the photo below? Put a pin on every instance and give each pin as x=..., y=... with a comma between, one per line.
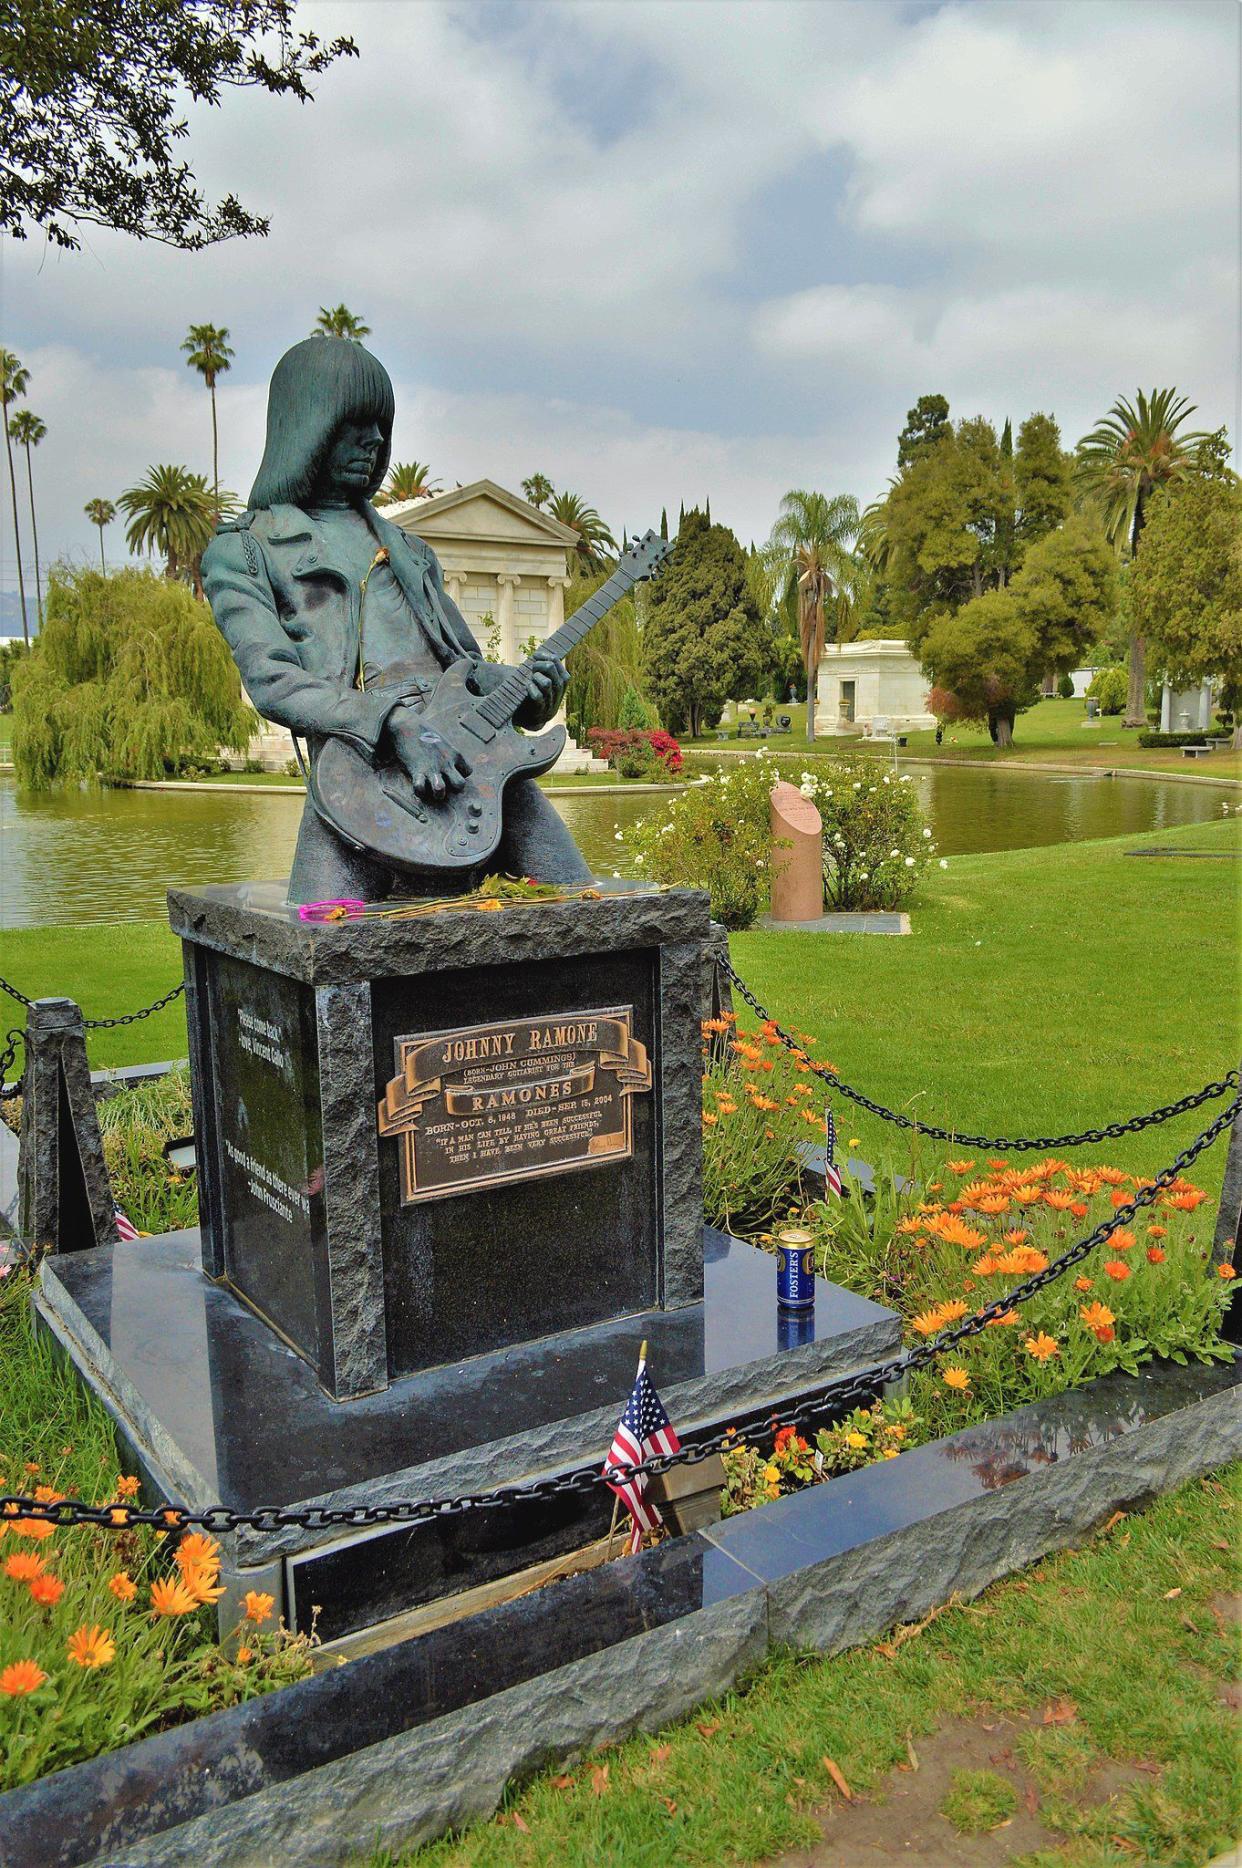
x=350, y=464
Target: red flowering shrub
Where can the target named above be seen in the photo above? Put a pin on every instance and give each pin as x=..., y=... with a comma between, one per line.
x=634, y=752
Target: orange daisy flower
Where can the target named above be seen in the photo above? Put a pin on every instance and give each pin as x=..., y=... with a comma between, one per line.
x=1027, y=1196
x=959, y=1167
x=1120, y=1199
x=1098, y=1317
x=169, y=1596
x=1154, y=1255
x=1118, y=1270
x=1111, y=1176
x=992, y=1204
x=127, y=1486
x=36, y=1529
x=1004, y=1320
x=1186, y=1202
x=1016, y=1237
x=1121, y=1240
x=1157, y=1232
x=46, y=1495
x=203, y=1584
x=21, y=1676
x=1225, y=1271
x=955, y=1231
x=1084, y=1284
x=1042, y=1347
x=1058, y=1201
x=46, y=1589
x=91, y=1647
x=984, y=1266
x=1079, y=1209
x=957, y=1379
x=952, y=1309
x=908, y=1227
x=927, y=1322
x=23, y=1566
x=258, y=1607
x=122, y=1586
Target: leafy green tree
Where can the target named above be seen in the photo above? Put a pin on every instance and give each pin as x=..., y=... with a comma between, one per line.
x=1186, y=585
x=991, y=654
x=703, y=641
x=605, y=666
x=90, y=123
x=100, y=512
x=128, y=678
x=817, y=573
x=927, y=424
x=1137, y=447
x=596, y=543
x=207, y=351
x=14, y=379
x=27, y=430
x=173, y=512
x=10, y=653
x=943, y=532
x=407, y=480
x=1108, y=686
x=636, y=714
x=538, y=490
x=339, y=321
x=1042, y=478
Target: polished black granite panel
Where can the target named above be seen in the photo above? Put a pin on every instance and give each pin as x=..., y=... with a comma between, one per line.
x=520, y=1259
x=859, y=1508
x=250, y=1424
x=168, y=1779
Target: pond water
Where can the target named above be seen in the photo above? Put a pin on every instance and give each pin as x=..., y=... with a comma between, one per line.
x=110, y=855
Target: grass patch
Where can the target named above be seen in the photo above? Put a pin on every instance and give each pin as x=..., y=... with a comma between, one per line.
x=1051, y=732
x=977, y=1801
x=1090, y=1638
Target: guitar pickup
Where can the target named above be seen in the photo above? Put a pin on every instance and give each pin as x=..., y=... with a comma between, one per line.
x=476, y=724
x=405, y=801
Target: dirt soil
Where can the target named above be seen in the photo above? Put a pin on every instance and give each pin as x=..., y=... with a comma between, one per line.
x=900, y=1820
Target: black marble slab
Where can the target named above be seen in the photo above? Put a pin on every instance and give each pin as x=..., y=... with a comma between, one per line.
x=1046, y=1475
x=232, y=1416
x=252, y=921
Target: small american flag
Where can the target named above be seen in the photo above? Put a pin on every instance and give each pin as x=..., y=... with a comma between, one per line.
x=643, y=1430
x=832, y=1173
x=125, y=1227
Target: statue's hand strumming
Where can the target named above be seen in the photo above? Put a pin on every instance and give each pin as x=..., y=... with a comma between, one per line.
x=436, y=770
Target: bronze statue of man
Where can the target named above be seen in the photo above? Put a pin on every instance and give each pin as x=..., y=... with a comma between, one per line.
x=340, y=623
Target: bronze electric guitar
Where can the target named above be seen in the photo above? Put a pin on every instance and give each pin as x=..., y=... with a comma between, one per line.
x=376, y=809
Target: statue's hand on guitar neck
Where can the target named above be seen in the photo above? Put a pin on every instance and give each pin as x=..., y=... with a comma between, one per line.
x=548, y=681
x=437, y=770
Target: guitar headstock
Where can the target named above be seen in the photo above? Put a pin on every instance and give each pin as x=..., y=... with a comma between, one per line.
x=645, y=556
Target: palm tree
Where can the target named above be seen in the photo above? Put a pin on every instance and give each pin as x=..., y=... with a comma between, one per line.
x=27, y=429
x=595, y=541
x=810, y=545
x=207, y=351
x=173, y=512
x=538, y=490
x=339, y=321
x=407, y=480
x=13, y=381
x=100, y=512
x=1136, y=448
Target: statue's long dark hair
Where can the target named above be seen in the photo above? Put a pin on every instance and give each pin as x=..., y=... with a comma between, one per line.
x=316, y=386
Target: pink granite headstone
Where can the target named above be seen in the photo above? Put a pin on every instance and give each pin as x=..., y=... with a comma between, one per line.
x=797, y=856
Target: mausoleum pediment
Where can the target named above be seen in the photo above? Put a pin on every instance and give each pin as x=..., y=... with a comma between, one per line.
x=482, y=511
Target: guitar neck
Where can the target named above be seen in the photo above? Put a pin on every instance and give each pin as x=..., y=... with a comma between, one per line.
x=499, y=707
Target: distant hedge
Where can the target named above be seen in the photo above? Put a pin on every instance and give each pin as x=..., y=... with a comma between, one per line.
x=1177, y=739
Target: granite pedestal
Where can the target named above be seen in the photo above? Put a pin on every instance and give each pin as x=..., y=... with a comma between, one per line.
x=426, y=1138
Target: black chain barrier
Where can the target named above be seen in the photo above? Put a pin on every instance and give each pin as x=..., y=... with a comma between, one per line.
x=998, y=1143
x=11, y=1087
x=102, y=1024
x=827, y=1399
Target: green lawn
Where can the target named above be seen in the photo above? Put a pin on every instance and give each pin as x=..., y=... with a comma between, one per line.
x=552, y=780
x=1051, y=732
x=1104, y=1668
x=1041, y=991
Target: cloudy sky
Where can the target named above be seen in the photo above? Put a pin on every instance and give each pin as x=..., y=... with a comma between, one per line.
x=662, y=249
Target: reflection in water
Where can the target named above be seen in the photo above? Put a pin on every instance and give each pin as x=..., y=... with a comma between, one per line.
x=110, y=855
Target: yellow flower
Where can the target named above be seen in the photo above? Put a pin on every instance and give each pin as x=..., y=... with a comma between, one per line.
x=91, y=1647
x=927, y=1322
x=201, y=1582
x=490, y=906
x=1043, y=1347
x=244, y=1654
x=856, y=1440
x=198, y=1551
x=956, y=1378
x=122, y=1586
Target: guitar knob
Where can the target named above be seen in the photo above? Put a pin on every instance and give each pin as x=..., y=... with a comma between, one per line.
x=474, y=810
x=473, y=829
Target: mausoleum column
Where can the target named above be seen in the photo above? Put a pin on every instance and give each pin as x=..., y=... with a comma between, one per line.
x=455, y=584
x=557, y=586
x=506, y=583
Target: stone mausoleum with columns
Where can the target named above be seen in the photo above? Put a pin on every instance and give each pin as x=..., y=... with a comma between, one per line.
x=505, y=566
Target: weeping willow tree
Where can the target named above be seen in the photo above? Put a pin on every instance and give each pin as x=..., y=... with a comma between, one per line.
x=128, y=677
x=605, y=664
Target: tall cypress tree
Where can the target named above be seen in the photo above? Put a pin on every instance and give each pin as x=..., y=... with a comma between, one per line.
x=703, y=640
x=664, y=522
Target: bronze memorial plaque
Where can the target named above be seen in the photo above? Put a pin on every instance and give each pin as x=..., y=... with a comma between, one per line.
x=485, y=1104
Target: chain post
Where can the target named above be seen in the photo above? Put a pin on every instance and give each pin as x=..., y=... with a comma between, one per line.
x=66, y=1199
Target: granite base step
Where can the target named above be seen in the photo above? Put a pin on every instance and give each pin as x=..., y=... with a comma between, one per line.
x=399, y=1746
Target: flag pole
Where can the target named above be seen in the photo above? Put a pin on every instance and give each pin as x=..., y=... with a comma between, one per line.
x=616, y=1502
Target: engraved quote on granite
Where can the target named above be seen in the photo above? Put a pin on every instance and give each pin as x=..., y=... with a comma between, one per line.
x=482, y=1105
